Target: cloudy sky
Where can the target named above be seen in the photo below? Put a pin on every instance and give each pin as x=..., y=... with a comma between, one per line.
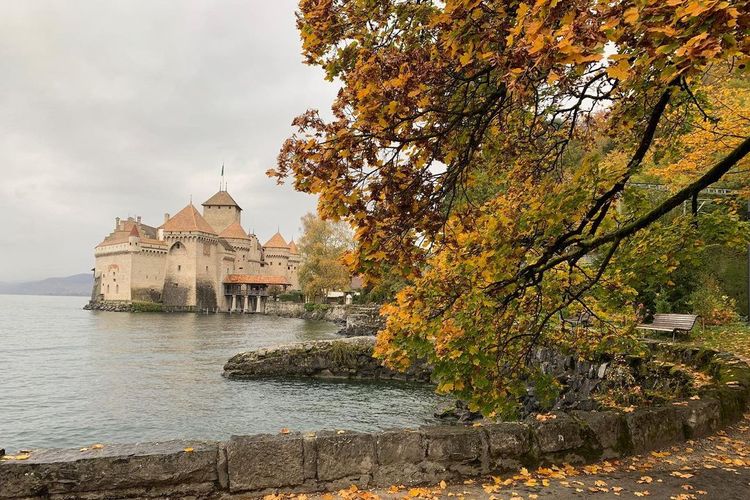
x=117, y=108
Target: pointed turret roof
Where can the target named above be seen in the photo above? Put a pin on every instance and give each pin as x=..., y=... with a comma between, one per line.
x=222, y=199
x=293, y=247
x=134, y=231
x=186, y=220
x=235, y=231
x=276, y=241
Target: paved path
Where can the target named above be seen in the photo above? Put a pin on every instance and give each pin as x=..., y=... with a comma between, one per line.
x=716, y=467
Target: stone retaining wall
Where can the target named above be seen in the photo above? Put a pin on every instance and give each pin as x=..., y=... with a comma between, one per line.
x=297, y=462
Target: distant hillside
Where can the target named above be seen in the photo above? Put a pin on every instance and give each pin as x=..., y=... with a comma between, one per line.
x=78, y=284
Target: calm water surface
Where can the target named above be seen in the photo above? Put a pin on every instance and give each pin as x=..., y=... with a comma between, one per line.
x=69, y=378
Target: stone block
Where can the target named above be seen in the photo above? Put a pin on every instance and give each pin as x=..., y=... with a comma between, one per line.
x=456, y=448
x=509, y=445
x=141, y=469
x=652, y=428
x=265, y=461
x=399, y=454
x=346, y=455
x=310, y=450
x=700, y=417
x=610, y=430
x=400, y=446
x=562, y=433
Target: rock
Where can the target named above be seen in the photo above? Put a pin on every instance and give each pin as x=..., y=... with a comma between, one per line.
x=399, y=455
x=340, y=358
x=125, y=470
x=700, y=417
x=265, y=461
x=458, y=449
x=509, y=445
x=348, y=457
x=652, y=428
x=561, y=433
x=610, y=430
x=459, y=412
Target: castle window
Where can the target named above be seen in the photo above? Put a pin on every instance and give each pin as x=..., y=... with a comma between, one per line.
x=179, y=268
x=107, y=288
x=117, y=288
x=177, y=245
x=206, y=268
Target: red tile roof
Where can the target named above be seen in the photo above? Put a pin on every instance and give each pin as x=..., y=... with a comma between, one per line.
x=188, y=220
x=253, y=279
x=221, y=199
x=293, y=248
x=234, y=231
x=276, y=241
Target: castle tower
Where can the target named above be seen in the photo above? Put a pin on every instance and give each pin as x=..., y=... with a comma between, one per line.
x=295, y=260
x=276, y=256
x=192, y=272
x=221, y=211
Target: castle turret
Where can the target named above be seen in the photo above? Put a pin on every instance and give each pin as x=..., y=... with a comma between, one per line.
x=134, y=238
x=221, y=211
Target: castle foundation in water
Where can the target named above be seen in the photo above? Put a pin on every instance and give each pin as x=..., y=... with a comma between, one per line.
x=193, y=262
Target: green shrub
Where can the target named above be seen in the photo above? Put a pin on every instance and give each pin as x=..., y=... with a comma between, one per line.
x=293, y=296
x=140, y=306
x=312, y=306
x=711, y=302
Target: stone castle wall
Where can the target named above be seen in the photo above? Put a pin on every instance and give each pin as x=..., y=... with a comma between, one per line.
x=221, y=217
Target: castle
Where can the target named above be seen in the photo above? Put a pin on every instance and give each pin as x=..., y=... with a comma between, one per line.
x=194, y=261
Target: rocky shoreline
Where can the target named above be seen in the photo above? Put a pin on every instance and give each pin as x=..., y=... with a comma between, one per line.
x=355, y=320
x=109, y=306
x=350, y=358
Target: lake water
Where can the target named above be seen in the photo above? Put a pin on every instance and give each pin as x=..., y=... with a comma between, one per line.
x=70, y=378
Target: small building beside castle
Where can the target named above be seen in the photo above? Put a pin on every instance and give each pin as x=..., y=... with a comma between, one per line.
x=194, y=261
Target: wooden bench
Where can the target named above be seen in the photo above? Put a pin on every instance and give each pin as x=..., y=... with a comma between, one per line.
x=674, y=323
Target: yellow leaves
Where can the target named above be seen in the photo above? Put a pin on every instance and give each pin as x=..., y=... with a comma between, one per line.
x=188, y=450
x=97, y=446
x=631, y=16
x=284, y=430
x=544, y=417
x=695, y=8
x=539, y=43
x=20, y=456
x=643, y=493
x=681, y=475
x=621, y=70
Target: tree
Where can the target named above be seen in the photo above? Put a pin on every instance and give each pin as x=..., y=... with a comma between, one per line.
x=482, y=148
x=322, y=246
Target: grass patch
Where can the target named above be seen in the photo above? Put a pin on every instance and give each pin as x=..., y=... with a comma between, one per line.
x=734, y=338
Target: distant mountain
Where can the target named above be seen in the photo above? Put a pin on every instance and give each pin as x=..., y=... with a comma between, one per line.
x=78, y=284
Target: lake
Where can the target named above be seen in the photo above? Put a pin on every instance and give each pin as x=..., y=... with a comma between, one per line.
x=71, y=378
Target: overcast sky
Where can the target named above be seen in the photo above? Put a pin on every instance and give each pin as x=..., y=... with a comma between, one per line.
x=117, y=108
